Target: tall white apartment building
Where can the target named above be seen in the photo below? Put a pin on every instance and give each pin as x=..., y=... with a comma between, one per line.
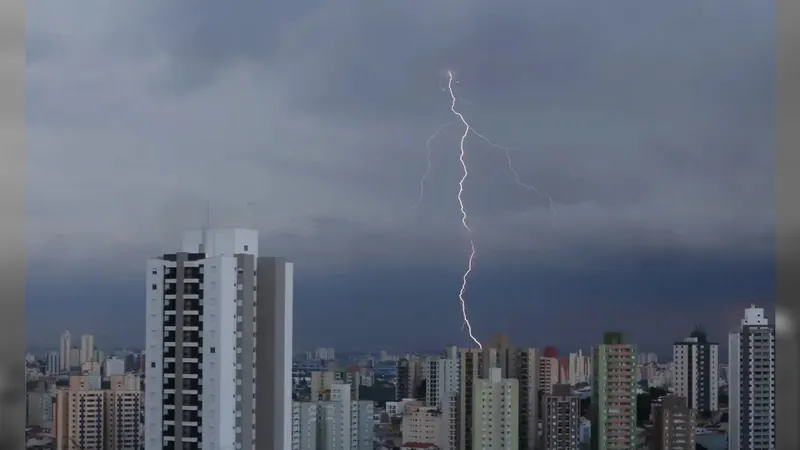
x=495, y=414
x=218, y=345
x=441, y=377
x=87, y=348
x=751, y=387
x=696, y=372
x=441, y=393
x=66, y=351
x=580, y=368
x=325, y=354
x=518, y=363
x=53, y=363
x=344, y=423
x=304, y=425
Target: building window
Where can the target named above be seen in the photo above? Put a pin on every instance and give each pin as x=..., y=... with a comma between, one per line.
x=155, y=287
x=213, y=350
x=245, y=248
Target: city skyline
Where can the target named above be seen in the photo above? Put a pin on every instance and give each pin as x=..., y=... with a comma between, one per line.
x=656, y=142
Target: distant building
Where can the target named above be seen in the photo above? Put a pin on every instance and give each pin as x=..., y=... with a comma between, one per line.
x=53, y=364
x=113, y=366
x=548, y=373
x=75, y=358
x=403, y=386
x=673, y=424
x=614, y=387
x=87, y=349
x=580, y=368
x=89, y=418
x=424, y=425
x=561, y=419
x=751, y=387
x=696, y=372
x=65, y=356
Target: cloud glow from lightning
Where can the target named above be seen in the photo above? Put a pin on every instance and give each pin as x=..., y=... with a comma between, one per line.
x=462, y=159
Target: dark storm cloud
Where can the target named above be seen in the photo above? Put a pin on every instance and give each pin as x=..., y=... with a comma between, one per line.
x=650, y=125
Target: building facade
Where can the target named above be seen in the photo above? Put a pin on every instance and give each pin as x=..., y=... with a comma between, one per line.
x=87, y=348
x=87, y=417
x=561, y=419
x=304, y=426
x=65, y=355
x=696, y=372
x=217, y=312
x=614, y=387
x=673, y=424
x=495, y=412
x=751, y=384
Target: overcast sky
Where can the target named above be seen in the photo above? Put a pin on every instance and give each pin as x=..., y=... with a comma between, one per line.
x=650, y=125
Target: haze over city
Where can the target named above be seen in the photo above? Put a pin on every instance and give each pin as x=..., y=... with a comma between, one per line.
x=651, y=127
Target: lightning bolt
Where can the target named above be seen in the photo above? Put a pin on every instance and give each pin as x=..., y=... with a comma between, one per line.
x=462, y=159
x=430, y=164
x=518, y=181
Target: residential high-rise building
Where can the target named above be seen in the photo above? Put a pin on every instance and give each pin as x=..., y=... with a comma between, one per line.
x=217, y=312
x=561, y=419
x=696, y=372
x=87, y=417
x=325, y=354
x=343, y=423
x=40, y=407
x=53, y=363
x=751, y=384
x=322, y=382
x=441, y=378
x=521, y=364
x=75, y=357
x=424, y=425
x=441, y=393
x=673, y=424
x=580, y=368
x=113, y=366
x=304, y=431
x=66, y=351
x=403, y=387
x=614, y=387
x=495, y=413
x=548, y=374
x=87, y=348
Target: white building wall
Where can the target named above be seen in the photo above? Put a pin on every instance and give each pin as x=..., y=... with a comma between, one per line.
x=219, y=353
x=304, y=431
x=154, y=351
x=734, y=385
x=113, y=366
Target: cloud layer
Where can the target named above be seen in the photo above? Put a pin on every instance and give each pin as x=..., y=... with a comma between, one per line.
x=651, y=126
